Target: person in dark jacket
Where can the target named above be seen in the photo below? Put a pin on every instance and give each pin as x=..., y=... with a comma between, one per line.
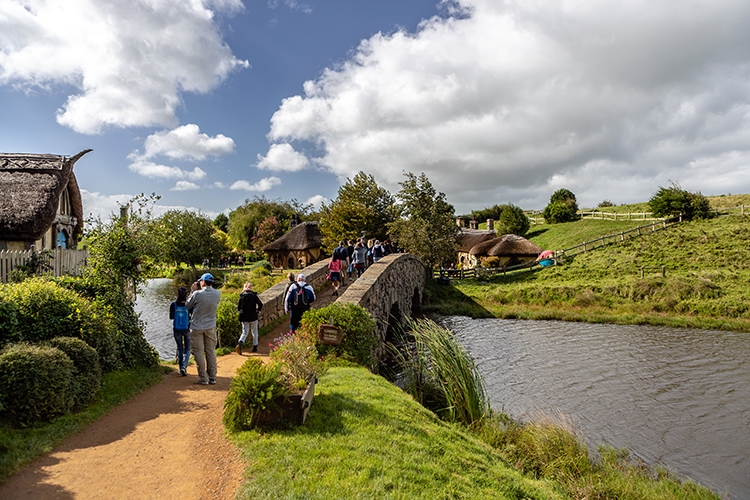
x=249, y=306
x=180, y=316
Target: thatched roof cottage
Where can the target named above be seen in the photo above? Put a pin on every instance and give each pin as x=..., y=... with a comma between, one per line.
x=509, y=249
x=468, y=239
x=298, y=248
x=40, y=203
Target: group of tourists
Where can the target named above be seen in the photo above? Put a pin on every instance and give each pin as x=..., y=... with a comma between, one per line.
x=194, y=313
x=350, y=259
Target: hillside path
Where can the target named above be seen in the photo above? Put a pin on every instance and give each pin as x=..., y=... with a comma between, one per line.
x=166, y=442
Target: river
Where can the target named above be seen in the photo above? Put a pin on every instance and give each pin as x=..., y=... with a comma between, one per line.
x=672, y=396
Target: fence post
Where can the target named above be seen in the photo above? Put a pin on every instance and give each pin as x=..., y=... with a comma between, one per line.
x=742, y=207
x=584, y=246
x=663, y=271
x=641, y=272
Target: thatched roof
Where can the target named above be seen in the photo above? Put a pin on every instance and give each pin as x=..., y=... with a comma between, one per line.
x=31, y=187
x=508, y=245
x=469, y=238
x=303, y=236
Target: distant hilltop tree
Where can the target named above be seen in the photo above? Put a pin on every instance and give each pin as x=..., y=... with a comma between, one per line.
x=563, y=207
x=673, y=200
x=605, y=204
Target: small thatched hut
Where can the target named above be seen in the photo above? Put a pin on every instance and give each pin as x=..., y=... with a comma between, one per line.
x=298, y=248
x=468, y=239
x=40, y=203
x=509, y=249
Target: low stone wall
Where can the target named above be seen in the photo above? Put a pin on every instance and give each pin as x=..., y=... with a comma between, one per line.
x=273, y=298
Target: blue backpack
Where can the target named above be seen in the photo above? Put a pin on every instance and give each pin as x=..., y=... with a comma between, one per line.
x=181, y=317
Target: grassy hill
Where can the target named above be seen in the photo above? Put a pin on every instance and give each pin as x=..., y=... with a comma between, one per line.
x=706, y=285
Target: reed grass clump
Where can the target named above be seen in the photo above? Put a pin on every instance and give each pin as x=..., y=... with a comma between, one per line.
x=438, y=372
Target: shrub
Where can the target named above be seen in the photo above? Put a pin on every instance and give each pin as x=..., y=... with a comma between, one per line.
x=562, y=207
x=87, y=374
x=673, y=201
x=359, y=340
x=34, y=383
x=228, y=319
x=298, y=358
x=513, y=221
x=8, y=323
x=45, y=310
x=252, y=392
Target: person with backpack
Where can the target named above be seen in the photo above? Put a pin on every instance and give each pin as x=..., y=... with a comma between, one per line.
x=377, y=251
x=298, y=300
x=249, y=306
x=342, y=254
x=180, y=316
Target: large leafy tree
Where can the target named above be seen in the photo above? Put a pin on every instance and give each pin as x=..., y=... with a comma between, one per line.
x=673, y=200
x=512, y=220
x=188, y=237
x=361, y=206
x=268, y=231
x=563, y=207
x=245, y=219
x=426, y=223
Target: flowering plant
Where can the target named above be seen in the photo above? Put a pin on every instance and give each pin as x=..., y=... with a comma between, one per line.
x=298, y=357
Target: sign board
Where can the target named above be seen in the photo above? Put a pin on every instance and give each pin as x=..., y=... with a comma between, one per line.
x=329, y=334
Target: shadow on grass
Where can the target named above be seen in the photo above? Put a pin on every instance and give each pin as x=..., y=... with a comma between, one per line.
x=450, y=301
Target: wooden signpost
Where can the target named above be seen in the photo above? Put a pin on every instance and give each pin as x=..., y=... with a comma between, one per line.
x=329, y=334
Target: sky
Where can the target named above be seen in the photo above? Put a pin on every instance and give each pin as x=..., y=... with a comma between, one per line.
x=208, y=103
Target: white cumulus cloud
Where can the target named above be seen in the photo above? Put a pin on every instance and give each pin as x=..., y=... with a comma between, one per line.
x=316, y=201
x=155, y=170
x=283, y=157
x=264, y=184
x=129, y=60
x=185, y=186
x=187, y=142
x=512, y=100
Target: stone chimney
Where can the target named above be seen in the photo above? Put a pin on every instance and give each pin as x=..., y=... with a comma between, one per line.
x=472, y=224
x=460, y=221
x=491, y=224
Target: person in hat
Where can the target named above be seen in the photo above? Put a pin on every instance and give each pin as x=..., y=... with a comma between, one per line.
x=298, y=300
x=204, y=300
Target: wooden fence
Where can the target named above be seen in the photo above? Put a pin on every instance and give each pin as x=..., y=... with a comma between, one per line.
x=57, y=262
x=560, y=255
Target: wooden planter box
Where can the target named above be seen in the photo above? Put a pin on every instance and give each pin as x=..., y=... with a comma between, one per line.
x=292, y=408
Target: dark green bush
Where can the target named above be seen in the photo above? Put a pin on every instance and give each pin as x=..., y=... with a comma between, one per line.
x=228, y=319
x=34, y=383
x=253, y=391
x=87, y=375
x=45, y=310
x=357, y=325
x=673, y=200
x=8, y=323
x=513, y=221
x=562, y=207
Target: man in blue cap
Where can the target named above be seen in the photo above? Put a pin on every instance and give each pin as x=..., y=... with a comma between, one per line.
x=204, y=300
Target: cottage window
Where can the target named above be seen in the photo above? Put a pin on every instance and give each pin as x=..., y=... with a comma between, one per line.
x=64, y=208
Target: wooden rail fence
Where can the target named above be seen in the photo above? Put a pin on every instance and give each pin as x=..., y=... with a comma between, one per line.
x=57, y=262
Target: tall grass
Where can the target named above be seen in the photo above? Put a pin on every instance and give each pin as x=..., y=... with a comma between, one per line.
x=439, y=373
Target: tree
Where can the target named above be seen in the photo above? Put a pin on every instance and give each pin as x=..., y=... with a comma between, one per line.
x=673, y=200
x=492, y=212
x=245, y=219
x=563, y=207
x=222, y=222
x=188, y=237
x=512, y=221
x=361, y=206
x=269, y=230
x=426, y=224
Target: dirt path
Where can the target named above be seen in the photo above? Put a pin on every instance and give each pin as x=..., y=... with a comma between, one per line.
x=167, y=442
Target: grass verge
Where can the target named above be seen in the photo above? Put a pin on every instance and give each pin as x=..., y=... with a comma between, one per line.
x=365, y=438
x=20, y=446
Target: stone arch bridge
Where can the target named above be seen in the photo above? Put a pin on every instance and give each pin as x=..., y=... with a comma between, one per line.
x=391, y=290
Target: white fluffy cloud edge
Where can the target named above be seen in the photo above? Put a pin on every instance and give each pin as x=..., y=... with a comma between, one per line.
x=513, y=100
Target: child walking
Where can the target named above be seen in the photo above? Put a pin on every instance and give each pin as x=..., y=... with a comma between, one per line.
x=180, y=316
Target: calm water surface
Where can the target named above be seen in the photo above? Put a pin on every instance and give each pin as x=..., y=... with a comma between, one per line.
x=153, y=304
x=677, y=397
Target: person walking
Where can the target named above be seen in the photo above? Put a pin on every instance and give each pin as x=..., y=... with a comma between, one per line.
x=204, y=300
x=297, y=301
x=334, y=268
x=180, y=316
x=359, y=258
x=341, y=253
x=249, y=306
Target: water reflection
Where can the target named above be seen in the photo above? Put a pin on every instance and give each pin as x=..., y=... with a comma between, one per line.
x=678, y=397
x=153, y=304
